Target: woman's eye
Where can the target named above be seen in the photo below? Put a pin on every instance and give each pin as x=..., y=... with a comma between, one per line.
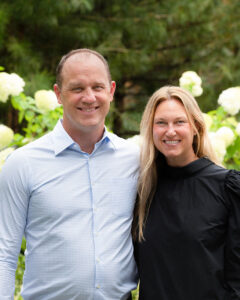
x=180, y=122
x=160, y=123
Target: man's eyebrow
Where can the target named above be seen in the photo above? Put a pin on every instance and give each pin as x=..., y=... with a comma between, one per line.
x=99, y=83
x=74, y=84
x=79, y=83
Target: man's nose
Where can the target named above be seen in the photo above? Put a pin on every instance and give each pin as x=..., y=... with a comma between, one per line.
x=88, y=96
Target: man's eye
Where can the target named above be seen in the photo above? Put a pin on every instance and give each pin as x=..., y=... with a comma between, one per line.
x=98, y=88
x=77, y=89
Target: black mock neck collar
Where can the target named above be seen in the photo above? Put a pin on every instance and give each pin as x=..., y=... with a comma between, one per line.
x=185, y=171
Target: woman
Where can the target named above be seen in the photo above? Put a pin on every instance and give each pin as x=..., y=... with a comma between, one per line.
x=187, y=218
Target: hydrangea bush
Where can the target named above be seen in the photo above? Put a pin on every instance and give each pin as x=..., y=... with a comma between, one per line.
x=10, y=85
x=46, y=100
x=222, y=124
x=37, y=115
x=192, y=82
x=6, y=136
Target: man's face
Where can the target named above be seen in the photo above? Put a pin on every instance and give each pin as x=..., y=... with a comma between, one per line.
x=85, y=94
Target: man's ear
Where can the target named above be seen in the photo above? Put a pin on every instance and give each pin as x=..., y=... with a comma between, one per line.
x=112, y=89
x=57, y=93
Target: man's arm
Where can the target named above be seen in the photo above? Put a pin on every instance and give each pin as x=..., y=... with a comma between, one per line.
x=13, y=213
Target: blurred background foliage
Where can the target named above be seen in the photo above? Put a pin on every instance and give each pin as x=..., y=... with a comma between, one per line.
x=148, y=43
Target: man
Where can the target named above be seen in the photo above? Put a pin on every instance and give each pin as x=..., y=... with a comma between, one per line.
x=71, y=193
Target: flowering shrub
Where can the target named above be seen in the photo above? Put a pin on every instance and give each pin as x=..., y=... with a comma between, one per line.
x=136, y=139
x=222, y=125
x=10, y=85
x=191, y=82
x=208, y=120
x=6, y=136
x=230, y=100
x=38, y=115
x=46, y=100
x=238, y=129
x=4, y=154
x=224, y=136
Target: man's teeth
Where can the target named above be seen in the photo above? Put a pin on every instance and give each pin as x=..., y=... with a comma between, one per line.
x=172, y=142
x=88, y=109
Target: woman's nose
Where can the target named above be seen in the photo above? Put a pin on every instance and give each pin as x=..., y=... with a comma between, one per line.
x=171, y=130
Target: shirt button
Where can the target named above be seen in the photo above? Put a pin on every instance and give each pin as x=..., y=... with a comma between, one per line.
x=98, y=260
x=98, y=286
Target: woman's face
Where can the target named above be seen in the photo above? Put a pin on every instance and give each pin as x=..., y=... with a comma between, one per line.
x=173, y=134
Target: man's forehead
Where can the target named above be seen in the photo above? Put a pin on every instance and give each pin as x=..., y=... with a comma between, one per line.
x=83, y=57
x=80, y=63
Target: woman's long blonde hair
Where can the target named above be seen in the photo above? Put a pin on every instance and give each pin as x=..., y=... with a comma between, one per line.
x=149, y=153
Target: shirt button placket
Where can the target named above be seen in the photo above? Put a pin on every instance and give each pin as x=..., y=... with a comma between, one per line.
x=95, y=225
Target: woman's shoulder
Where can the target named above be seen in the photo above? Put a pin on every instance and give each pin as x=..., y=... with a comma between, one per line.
x=212, y=169
x=223, y=181
x=231, y=177
x=232, y=182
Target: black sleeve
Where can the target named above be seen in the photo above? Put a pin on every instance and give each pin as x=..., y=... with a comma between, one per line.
x=232, y=251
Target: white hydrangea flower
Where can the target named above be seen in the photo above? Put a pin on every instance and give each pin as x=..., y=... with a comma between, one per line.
x=10, y=85
x=6, y=136
x=4, y=86
x=191, y=82
x=231, y=121
x=4, y=154
x=229, y=99
x=208, y=120
x=17, y=84
x=46, y=100
x=136, y=139
x=226, y=134
x=238, y=128
x=197, y=90
x=218, y=146
x=190, y=77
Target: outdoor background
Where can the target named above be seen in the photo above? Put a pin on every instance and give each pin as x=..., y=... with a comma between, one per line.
x=147, y=43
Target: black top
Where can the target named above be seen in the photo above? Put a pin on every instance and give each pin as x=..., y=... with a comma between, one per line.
x=192, y=235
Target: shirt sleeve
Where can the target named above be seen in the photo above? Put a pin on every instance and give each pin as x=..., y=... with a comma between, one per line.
x=13, y=212
x=232, y=253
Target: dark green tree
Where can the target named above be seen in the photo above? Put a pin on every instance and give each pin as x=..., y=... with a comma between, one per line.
x=148, y=43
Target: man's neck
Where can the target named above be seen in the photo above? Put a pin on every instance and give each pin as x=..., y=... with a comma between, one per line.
x=86, y=139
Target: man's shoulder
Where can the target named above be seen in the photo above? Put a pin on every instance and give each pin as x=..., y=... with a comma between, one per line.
x=124, y=160
x=42, y=144
x=126, y=144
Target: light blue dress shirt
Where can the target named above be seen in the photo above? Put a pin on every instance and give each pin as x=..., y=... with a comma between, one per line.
x=75, y=210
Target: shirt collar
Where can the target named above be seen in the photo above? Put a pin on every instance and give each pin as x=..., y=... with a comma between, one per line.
x=62, y=140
